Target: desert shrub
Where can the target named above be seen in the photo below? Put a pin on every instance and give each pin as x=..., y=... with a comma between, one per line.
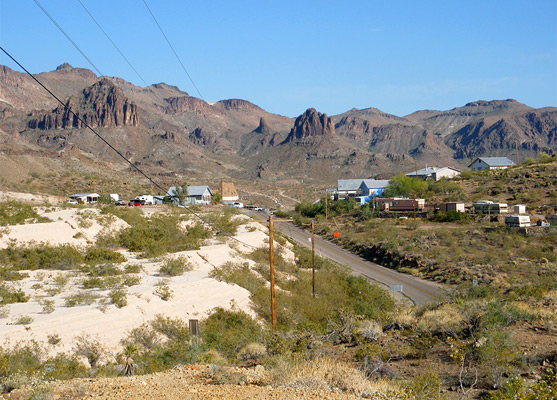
x=81, y=298
x=89, y=348
x=54, y=339
x=41, y=256
x=61, y=279
x=425, y=386
x=9, y=274
x=159, y=344
x=252, y=352
x=14, y=213
x=223, y=221
x=133, y=268
x=175, y=266
x=369, y=330
x=22, y=357
x=237, y=273
x=118, y=297
x=10, y=295
x=47, y=305
x=162, y=234
x=23, y=320
x=97, y=255
x=171, y=328
x=445, y=319
x=496, y=351
x=64, y=366
x=228, y=331
x=450, y=216
x=163, y=291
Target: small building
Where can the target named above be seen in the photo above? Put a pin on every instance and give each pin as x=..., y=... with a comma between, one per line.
x=197, y=195
x=347, y=188
x=399, y=204
x=373, y=187
x=89, y=198
x=519, y=209
x=489, y=207
x=114, y=196
x=458, y=207
x=518, y=221
x=481, y=163
x=434, y=173
x=228, y=192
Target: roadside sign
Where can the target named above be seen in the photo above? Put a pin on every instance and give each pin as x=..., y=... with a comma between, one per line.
x=336, y=234
x=396, y=288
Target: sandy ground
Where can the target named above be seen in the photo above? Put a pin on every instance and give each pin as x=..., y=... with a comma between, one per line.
x=195, y=294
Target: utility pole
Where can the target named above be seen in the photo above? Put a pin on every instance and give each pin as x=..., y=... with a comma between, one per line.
x=312, y=258
x=272, y=267
x=301, y=191
x=326, y=205
x=516, y=146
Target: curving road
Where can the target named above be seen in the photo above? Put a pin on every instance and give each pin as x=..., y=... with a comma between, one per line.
x=419, y=291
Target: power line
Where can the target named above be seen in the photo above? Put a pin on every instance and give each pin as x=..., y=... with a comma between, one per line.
x=174, y=51
x=117, y=151
x=112, y=42
x=67, y=37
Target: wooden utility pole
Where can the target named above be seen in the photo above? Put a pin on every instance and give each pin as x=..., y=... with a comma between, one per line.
x=301, y=191
x=272, y=267
x=326, y=205
x=312, y=258
x=516, y=146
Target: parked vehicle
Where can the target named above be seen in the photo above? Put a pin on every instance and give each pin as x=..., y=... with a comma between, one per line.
x=237, y=204
x=135, y=203
x=119, y=203
x=519, y=221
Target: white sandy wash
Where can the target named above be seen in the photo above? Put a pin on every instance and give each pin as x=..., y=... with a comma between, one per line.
x=195, y=294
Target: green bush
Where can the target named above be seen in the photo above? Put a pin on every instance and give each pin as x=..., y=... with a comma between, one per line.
x=9, y=295
x=41, y=256
x=14, y=213
x=175, y=266
x=228, y=331
x=118, y=297
x=97, y=255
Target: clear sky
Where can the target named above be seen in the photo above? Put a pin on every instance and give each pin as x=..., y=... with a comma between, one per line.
x=286, y=56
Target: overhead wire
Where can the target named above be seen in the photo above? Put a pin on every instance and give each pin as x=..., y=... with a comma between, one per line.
x=84, y=123
x=113, y=44
x=174, y=51
x=67, y=36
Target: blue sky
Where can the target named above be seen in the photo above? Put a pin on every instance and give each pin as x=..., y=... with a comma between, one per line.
x=287, y=56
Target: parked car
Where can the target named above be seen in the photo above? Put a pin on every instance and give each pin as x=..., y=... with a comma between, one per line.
x=135, y=203
x=72, y=202
x=120, y=203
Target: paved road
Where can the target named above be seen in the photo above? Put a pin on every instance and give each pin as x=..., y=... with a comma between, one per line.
x=418, y=290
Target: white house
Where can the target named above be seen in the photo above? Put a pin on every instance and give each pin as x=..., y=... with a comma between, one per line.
x=434, y=173
x=85, y=197
x=482, y=163
x=348, y=187
x=196, y=195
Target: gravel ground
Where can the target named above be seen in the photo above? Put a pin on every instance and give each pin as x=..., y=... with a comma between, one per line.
x=184, y=383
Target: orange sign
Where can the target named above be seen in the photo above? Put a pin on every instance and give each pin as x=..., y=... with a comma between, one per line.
x=336, y=234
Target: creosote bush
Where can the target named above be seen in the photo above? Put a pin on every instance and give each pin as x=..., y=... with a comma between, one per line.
x=175, y=266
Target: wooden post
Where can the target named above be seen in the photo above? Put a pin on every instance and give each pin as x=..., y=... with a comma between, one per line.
x=272, y=267
x=326, y=205
x=313, y=258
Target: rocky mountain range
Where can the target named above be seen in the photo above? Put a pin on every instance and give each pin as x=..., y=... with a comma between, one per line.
x=167, y=131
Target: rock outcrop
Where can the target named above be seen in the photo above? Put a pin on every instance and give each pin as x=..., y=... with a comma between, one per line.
x=186, y=104
x=309, y=126
x=263, y=127
x=99, y=105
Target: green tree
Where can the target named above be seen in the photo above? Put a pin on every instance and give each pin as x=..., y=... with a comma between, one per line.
x=405, y=186
x=181, y=192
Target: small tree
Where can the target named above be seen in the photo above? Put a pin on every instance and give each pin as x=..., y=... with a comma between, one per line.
x=405, y=186
x=181, y=192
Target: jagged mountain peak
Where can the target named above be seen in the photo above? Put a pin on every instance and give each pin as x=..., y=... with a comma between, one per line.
x=309, y=126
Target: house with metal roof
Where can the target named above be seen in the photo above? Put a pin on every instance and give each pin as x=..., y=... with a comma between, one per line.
x=434, y=173
x=482, y=163
x=89, y=198
x=197, y=195
x=347, y=187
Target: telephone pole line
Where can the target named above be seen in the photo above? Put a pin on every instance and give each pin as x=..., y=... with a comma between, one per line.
x=272, y=268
